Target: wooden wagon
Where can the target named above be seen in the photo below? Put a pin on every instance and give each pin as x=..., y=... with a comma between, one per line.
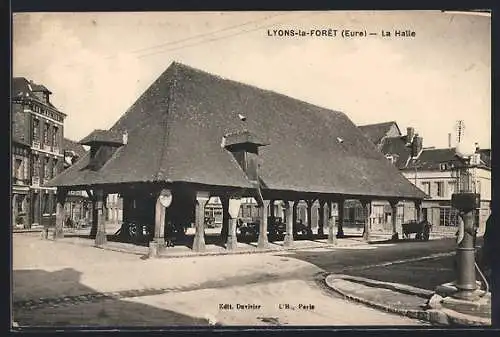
x=421, y=229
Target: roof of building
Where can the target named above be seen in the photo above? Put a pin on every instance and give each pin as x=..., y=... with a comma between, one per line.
x=78, y=149
x=485, y=155
x=375, y=132
x=175, y=132
x=103, y=137
x=23, y=88
x=396, y=146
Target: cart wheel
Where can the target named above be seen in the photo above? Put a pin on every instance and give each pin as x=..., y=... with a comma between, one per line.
x=418, y=236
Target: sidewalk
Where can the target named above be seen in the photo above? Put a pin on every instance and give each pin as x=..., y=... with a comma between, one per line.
x=400, y=299
x=80, y=238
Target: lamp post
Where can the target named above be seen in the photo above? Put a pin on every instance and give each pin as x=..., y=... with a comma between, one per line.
x=466, y=201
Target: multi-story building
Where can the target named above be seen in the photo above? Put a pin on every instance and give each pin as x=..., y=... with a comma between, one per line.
x=37, y=151
x=431, y=170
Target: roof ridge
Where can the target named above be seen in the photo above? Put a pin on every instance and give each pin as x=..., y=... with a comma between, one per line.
x=166, y=132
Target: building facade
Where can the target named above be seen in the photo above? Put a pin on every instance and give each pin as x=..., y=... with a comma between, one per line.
x=432, y=171
x=37, y=152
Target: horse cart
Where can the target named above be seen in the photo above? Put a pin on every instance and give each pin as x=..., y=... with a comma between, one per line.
x=421, y=229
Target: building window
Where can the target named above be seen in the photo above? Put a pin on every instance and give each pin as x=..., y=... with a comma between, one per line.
x=36, y=130
x=46, y=208
x=18, y=168
x=451, y=187
x=20, y=204
x=448, y=216
x=47, y=168
x=36, y=166
x=478, y=187
x=439, y=189
x=426, y=187
x=46, y=131
x=54, y=169
x=54, y=137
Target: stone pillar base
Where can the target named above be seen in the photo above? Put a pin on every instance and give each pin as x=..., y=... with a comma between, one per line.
x=232, y=242
x=156, y=247
x=199, y=243
x=288, y=241
x=44, y=235
x=262, y=243
x=58, y=233
x=479, y=305
x=366, y=236
x=100, y=239
x=332, y=240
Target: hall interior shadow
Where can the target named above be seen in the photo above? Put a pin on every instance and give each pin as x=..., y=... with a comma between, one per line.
x=99, y=312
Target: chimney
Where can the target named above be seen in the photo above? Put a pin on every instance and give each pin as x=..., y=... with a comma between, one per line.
x=416, y=145
x=410, y=133
x=125, y=137
x=244, y=146
x=449, y=140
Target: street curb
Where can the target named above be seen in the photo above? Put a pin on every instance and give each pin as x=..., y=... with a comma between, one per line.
x=403, y=288
x=438, y=316
x=416, y=314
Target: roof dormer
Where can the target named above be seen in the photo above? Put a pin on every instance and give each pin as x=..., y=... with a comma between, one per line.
x=244, y=147
x=103, y=144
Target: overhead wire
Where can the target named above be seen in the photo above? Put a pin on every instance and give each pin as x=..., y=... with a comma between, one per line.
x=194, y=37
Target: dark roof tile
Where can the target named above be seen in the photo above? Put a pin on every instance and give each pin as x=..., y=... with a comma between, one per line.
x=375, y=132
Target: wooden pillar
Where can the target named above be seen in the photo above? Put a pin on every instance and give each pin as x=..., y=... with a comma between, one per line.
x=263, y=240
x=224, y=232
x=60, y=198
x=94, y=214
x=294, y=212
x=321, y=217
x=331, y=224
x=340, y=226
x=288, y=242
x=233, y=210
x=309, y=217
x=271, y=210
x=100, y=197
x=367, y=208
x=163, y=200
x=394, y=216
x=199, y=234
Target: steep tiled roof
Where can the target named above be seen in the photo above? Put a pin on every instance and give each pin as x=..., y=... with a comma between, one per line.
x=102, y=136
x=375, y=132
x=22, y=88
x=176, y=127
x=78, y=149
x=431, y=159
x=396, y=146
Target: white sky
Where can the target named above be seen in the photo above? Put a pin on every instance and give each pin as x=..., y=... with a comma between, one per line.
x=97, y=64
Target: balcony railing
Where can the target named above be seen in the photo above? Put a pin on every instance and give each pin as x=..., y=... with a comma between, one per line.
x=47, y=147
x=35, y=181
x=55, y=149
x=36, y=144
